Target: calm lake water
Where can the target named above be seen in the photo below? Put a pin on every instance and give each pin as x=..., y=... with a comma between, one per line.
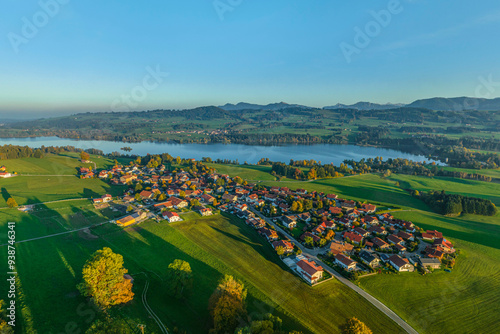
x=326, y=153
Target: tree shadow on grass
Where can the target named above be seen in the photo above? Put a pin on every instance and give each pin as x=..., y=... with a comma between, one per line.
x=5, y=194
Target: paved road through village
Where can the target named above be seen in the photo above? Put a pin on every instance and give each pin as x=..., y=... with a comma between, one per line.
x=313, y=255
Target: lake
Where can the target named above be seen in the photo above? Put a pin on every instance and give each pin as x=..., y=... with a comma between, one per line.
x=326, y=153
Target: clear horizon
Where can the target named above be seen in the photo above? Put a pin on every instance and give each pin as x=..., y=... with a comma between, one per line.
x=61, y=57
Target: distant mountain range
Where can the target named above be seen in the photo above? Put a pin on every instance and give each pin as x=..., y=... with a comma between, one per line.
x=366, y=106
x=436, y=103
x=272, y=106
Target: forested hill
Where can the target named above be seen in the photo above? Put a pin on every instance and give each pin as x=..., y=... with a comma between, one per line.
x=457, y=104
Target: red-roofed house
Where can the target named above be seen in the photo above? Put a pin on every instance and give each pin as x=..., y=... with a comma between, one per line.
x=354, y=237
x=171, y=216
x=309, y=271
x=287, y=245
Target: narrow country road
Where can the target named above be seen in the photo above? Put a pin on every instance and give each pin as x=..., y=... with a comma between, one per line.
x=374, y=301
x=150, y=311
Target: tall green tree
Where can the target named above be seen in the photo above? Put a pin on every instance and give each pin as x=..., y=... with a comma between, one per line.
x=110, y=326
x=179, y=279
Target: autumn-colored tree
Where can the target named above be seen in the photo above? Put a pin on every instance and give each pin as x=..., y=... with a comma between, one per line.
x=329, y=235
x=103, y=279
x=227, y=305
x=194, y=202
x=354, y=326
x=5, y=328
x=179, y=279
x=182, y=194
x=162, y=197
x=295, y=206
x=322, y=242
x=309, y=241
x=312, y=174
x=11, y=203
x=280, y=251
x=129, y=208
x=84, y=155
x=138, y=187
x=214, y=203
x=238, y=180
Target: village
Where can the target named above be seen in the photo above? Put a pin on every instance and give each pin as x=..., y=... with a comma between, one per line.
x=315, y=234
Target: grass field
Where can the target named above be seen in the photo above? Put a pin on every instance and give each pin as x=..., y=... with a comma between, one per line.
x=213, y=246
x=495, y=173
x=36, y=189
x=464, y=301
x=249, y=173
x=488, y=190
x=62, y=164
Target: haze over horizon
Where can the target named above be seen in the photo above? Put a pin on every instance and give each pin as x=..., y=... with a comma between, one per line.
x=62, y=57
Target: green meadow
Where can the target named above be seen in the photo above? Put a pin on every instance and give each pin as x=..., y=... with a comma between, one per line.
x=213, y=246
x=462, y=301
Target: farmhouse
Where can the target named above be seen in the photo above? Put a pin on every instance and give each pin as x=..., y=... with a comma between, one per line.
x=309, y=271
x=400, y=264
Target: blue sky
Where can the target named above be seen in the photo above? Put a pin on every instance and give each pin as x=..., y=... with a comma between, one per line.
x=86, y=55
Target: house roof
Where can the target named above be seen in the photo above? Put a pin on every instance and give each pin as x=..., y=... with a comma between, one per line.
x=344, y=259
x=398, y=261
x=379, y=242
x=309, y=267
